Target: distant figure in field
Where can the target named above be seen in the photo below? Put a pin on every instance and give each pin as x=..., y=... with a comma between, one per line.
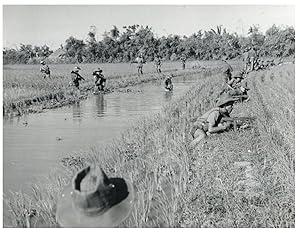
x=252, y=58
x=93, y=199
x=140, y=62
x=183, y=60
x=158, y=62
x=212, y=121
x=226, y=71
x=168, y=83
x=45, y=70
x=246, y=60
x=100, y=81
x=76, y=77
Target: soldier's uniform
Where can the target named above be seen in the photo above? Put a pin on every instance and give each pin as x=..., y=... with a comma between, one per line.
x=183, y=60
x=45, y=70
x=158, y=62
x=239, y=87
x=100, y=81
x=76, y=77
x=212, y=118
x=252, y=59
x=168, y=83
x=140, y=62
x=246, y=60
x=226, y=72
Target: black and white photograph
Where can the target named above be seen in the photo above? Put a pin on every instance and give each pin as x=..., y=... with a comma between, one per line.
x=148, y=115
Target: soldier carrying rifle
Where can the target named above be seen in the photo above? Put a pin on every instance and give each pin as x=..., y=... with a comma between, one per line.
x=100, y=81
x=76, y=77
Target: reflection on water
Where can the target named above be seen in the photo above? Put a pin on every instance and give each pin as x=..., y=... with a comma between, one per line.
x=77, y=112
x=168, y=95
x=31, y=150
x=100, y=105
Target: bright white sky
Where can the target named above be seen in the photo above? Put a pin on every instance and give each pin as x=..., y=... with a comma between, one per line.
x=52, y=25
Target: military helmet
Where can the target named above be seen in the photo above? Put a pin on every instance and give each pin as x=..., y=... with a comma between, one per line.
x=76, y=68
x=225, y=99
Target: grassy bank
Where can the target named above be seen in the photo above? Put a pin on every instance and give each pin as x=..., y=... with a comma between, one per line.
x=234, y=179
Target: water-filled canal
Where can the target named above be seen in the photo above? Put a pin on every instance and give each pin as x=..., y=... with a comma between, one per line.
x=33, y=145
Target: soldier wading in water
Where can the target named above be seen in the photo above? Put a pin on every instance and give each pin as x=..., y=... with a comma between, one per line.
x=76, y=77
x=100, y=81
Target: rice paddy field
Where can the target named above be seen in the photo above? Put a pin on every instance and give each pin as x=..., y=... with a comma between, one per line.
x=237, y=179
x=25, y=90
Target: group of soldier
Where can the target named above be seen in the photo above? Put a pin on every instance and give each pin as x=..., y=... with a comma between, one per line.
x=254, y=63
x=76, y=78
x=217, y=119
x=100, y=80
x=157, y=62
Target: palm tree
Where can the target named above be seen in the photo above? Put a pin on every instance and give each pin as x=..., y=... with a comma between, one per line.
x=115, y=33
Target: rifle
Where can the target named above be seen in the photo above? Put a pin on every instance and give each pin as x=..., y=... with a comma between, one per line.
x=240, y=122
x=240, y=97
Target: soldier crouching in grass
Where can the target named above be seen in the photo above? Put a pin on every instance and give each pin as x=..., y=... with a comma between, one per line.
x=45, y=70
x=212, y=121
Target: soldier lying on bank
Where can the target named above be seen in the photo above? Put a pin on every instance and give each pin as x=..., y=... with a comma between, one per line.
x=238, y=87
x=211, y=121
x=218, y=120
x=234, y=85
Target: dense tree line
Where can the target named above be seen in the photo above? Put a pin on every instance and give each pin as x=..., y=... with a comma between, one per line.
x=26, y=54
x=117, y=46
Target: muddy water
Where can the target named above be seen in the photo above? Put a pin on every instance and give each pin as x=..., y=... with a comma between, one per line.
x=34, y=145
